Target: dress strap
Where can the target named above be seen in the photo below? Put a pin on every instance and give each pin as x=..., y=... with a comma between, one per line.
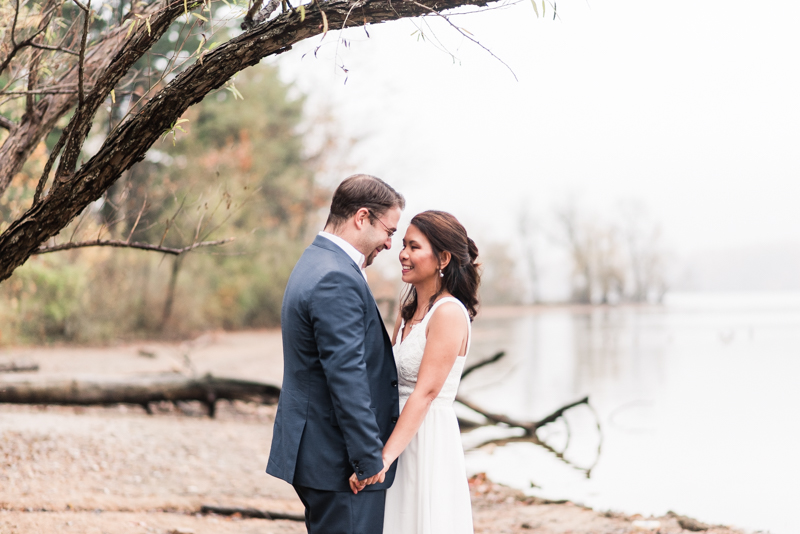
x=463, y=308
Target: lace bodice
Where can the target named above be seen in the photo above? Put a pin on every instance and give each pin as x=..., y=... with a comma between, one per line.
x=408, y=357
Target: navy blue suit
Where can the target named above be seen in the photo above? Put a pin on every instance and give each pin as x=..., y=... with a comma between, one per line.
x=338, y=402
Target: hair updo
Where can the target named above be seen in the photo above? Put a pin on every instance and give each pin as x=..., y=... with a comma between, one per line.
x=460, y=277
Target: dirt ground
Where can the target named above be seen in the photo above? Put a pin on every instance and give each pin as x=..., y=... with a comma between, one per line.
x=117, y=470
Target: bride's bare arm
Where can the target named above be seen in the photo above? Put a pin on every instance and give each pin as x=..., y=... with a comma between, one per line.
x=446, y=338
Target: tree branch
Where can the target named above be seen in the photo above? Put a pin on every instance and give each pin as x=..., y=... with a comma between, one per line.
x=130, y=140
x=82, y=52
x=54, y=48
x=530, y=428
x=463, y=33
x=42, y=92
x=19, y=46
x=7, y=123
x=483, y=363
x=110, y=51
x=128, y=244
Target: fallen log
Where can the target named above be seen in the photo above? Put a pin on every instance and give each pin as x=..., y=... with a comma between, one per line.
x=250, y=512
x=18, y=367
x=141, y=390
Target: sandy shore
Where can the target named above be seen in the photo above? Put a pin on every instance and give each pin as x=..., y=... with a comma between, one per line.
x=118, y=470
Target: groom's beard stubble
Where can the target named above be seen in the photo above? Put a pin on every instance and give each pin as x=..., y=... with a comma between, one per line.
x=369, y=259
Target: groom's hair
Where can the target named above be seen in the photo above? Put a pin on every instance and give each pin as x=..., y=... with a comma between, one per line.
x=362, y=191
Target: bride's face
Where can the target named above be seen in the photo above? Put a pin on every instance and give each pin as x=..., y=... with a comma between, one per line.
x=417, y=258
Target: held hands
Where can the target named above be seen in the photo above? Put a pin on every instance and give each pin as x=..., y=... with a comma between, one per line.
x=358, y=485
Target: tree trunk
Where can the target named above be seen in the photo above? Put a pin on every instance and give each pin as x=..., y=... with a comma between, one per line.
x=71, y=192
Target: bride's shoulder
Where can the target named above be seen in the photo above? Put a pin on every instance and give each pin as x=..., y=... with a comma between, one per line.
x=448, y=314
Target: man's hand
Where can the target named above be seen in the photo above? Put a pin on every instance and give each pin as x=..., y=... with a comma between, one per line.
x=356, y=485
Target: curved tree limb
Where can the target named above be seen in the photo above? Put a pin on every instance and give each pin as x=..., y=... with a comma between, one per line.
x=128, y=244
x=129, y=142
x=17, y=148
x=6, y=123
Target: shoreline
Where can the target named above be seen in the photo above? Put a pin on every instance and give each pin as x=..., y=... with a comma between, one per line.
x=118, y=470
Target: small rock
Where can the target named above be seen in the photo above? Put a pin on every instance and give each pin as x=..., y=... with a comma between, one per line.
x=646, y=525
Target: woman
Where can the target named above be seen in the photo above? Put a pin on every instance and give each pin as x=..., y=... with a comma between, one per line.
x=431, y=340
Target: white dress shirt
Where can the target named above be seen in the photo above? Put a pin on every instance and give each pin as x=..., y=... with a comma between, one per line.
x=349, y=249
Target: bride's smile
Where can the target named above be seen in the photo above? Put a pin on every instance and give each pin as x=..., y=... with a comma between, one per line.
x=417, y=260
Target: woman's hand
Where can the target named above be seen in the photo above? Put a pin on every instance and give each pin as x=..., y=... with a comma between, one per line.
x=356, y=485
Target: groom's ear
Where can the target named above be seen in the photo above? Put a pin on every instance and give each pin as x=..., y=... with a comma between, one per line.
x=444, y=260
x=361, y=217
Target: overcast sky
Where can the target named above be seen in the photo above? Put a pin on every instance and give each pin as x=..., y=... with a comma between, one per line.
x=690, y=108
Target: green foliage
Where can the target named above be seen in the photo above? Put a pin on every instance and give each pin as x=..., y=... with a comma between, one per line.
x=238, y=168
x=41, y=300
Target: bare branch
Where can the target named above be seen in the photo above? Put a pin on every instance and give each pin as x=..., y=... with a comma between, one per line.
x=14, y=26
x=483, y=363
x=41, y=92
x=138, y=217
x=7, y=123
x=127, y=244
x=530, y=428
x=49, y=165
x=74, y=189
x=19, y=46
x=465, y=34
x=54, y=48
x=82, y=53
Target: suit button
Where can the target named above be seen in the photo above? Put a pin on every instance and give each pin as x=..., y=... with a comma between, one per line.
x=361, y=473
x=394, y=419
x=394, y=383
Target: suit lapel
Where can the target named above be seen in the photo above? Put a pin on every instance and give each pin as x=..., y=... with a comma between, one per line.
x=327, y=244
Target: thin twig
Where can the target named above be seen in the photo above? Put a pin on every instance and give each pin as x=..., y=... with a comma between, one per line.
x=41, y=92
x=136, y=245
x=55, y=48
x=133, y=229
x=82, y=53
x=19, y=46
x=462, y=32
x=49, y=165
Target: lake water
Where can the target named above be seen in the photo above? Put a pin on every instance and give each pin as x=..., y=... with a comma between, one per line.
x=698, y=402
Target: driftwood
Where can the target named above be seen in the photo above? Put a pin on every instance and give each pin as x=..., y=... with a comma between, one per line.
x=688, y=523
x=250, y=512
x=144, y=390
x=141, y=390
x=18, y=367
x=480, y=364
x=530, y=427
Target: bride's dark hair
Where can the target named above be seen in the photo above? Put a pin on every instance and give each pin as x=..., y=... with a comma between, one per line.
x=460, y=277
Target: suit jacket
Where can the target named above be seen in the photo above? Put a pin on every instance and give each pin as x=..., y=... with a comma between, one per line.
x=339, y=400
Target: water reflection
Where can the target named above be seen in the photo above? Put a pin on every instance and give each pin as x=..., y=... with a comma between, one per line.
x=687, y=394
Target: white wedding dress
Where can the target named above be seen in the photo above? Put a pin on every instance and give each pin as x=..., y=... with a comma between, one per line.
x=430, y=494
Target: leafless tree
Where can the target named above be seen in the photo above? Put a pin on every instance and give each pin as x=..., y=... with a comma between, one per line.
x=612, y=262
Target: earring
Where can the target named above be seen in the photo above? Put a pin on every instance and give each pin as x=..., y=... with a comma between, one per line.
x=441, y=274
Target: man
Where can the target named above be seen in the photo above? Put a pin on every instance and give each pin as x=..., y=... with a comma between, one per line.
x=339, y=401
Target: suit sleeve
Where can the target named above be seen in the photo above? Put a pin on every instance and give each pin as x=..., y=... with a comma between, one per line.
x=338, y=318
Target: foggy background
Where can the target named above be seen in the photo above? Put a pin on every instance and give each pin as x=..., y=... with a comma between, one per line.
x=686, y=111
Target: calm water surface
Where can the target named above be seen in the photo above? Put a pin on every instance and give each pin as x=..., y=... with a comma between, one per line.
x=698, y=403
